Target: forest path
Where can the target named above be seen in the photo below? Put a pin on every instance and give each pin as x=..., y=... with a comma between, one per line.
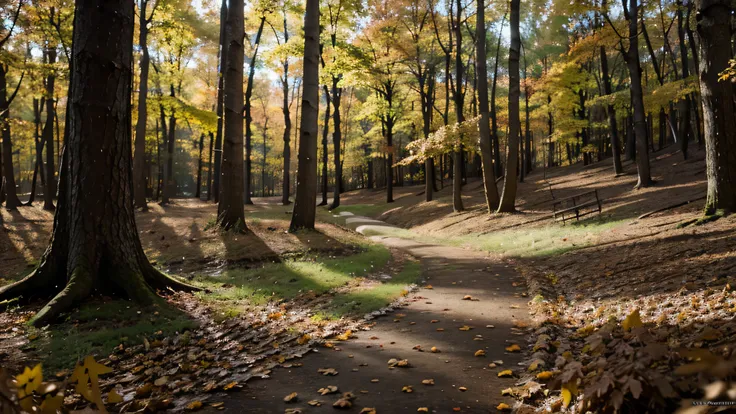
x=433, y=317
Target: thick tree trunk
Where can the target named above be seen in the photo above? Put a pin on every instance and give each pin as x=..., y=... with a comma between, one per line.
x=11, y=195
x=489, y=176
x=458, y=166
x=508, y=196
x=139, y=159
x=249, y=116
x=222, y=55
x=230, y=210
x=718, y=105
x=304, y=211
x=94, y=245
x=47, y=135
x=637, y=97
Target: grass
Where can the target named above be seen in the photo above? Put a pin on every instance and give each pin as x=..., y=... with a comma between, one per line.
x=549, y=240
x=368, y=210
x=552, y=239
x=360, y=302
x=98, y=327
x=286, y=280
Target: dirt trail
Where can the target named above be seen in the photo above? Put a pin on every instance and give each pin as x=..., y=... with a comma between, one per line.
x=432, y=318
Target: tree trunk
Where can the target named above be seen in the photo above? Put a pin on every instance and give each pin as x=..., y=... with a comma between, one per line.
x=209, y=168
x=49, y=190
x=198, y=191
x=139, y=158
x=304, y=211
x=169, y=185
x=94, y=245
x=637, y=97
x=249, y=116
x=508, y=196
x=457, y=179
x=498, y=167
x=222, y=55
x=325, y=151
x=11, y=195
x=287, y=125
x=489, y=176
x=718, y=105
x=38, y=170
x=684, y=104
x=230, y=211
x=336, y=139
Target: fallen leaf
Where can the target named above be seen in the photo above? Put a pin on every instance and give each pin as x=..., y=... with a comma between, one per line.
x=428, y=382
x=194, y=405
x=505, y=373
x=314, y=403
x=463, y=389
x=434, y=350
x=422, y=410
x=566, y=397
x=327, y=371
x=367, y=410
x=407, y=389
x=545, y=375
x=503, y=407
x=467, y=297
x=480, y=353
x=113, y=397
x=513, y=348
x=330, y=389
x=465, y=328
x=632, y=321
x=293, y=397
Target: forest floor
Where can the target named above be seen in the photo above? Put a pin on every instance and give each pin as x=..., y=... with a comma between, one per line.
x=633, y=313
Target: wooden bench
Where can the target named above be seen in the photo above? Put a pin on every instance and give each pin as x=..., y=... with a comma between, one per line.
x=581, y=205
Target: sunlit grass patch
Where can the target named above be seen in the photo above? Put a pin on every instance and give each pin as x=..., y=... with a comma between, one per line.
x=361, y=301
x=549, y=240
x=287, y=280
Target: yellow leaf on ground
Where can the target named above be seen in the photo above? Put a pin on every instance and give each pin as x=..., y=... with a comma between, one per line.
x=407, y=389
x=480, y=353
x=513, y=348
x=503, y=407
x=566, y=397
x=194, y=405
x=505, y=373
x=428, y=382
x=422, y=410
x=632, y=321
x=303, y=339
x=293, y=397
x=465, y=328
x=545, y=375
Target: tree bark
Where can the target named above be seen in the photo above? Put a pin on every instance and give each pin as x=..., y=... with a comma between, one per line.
x=198, y=191
x=139, y=158
x=325, y=151
x=508, y=196
x=222, y=55
x=209, y=167
x=718, y=105
x=489, y=176
x=684, y=104
x=336, y=139
x=37, y=108
x=615, y=144
x=94, y=246
x=637, y=96
x=304, y=211
x=498, y=167
x=11, y=195
x=230, y=210
x=249, y=115
x=287, y=124
x=47, y=135
x=457, y=179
